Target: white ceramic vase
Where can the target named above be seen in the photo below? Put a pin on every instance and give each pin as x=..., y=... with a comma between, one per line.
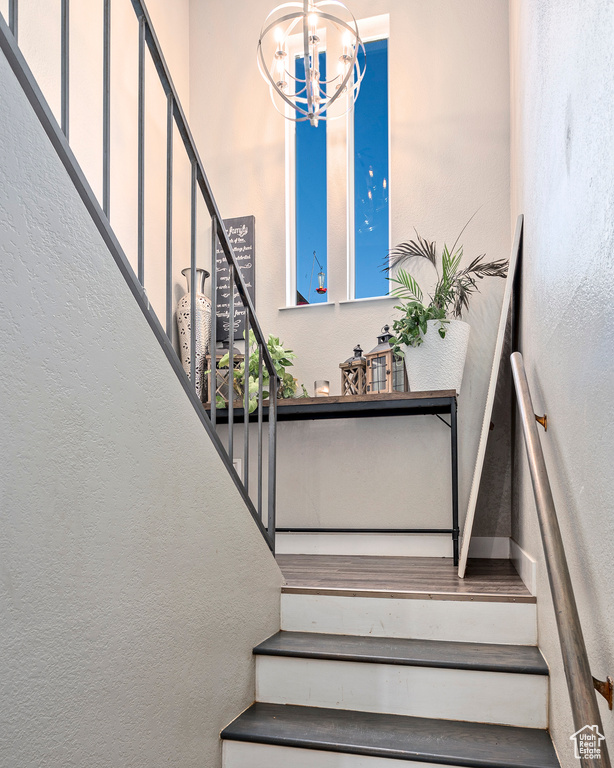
x=438, y=363
x=202, y=326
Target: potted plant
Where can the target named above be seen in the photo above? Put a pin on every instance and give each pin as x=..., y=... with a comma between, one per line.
x=430, y=334
x=282, y=359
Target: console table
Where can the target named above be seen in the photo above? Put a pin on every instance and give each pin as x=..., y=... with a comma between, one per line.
x=439, y=404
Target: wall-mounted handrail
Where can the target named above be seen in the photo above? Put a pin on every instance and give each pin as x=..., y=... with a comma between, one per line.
x=584, y=706
x=175, y=117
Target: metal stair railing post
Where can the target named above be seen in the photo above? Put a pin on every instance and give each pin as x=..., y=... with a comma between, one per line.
x=175, y=118
x=584, y=704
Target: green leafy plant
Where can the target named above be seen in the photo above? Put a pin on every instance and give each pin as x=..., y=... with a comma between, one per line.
x=452, y=292
x=282, y=359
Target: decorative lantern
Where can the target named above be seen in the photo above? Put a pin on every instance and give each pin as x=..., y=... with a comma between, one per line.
x=353, y=374
x=385, y=371
x=222, y=378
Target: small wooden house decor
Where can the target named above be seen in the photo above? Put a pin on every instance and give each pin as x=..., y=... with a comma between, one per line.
x=353, y=374
x=222, y=378
x=385, y=371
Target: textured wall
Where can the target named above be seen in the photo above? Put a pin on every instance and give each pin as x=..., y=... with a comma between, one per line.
x=449, y=86
x=133, y=583
x=562, y=161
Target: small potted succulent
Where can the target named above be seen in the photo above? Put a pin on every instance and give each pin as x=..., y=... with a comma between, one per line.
x=430, y=333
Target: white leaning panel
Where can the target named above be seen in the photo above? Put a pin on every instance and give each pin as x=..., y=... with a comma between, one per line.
x=244, y=754
x=460, y=620
x=500, y=698
x=490, y=400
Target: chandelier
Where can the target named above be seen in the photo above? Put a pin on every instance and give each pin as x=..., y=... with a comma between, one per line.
x=303, y=30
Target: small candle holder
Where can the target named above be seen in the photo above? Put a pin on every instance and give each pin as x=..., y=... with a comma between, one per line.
x=321, y=388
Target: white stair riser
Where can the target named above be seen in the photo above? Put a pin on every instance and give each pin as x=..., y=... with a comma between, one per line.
x=456, y=620
x=448, y=694
x=244, y=754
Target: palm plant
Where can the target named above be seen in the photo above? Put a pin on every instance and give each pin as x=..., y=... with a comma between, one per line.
x=452, y=292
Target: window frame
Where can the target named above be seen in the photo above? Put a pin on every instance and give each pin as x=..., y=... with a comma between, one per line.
x=295, y=43
x=370, y=29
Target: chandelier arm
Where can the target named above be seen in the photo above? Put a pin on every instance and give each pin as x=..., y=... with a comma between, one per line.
x=266, y=74
x=308, y=82
x=294, y=4
x=334, y=98
x=283, y=114
x=288, y=17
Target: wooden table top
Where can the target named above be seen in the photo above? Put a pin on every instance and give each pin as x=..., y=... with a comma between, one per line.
x=348, y=406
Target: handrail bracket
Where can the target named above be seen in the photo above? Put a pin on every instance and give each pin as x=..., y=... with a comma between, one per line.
x=606, y=689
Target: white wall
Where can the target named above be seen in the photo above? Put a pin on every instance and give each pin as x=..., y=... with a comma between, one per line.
x=39, y=39
x=133, y=582
x=562, y=161
x=449, y=86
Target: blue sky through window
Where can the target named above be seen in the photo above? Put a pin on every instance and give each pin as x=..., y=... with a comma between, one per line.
x=371, y=178
x=311, y=190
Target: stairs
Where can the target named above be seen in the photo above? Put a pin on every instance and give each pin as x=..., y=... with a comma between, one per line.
x=357, y=679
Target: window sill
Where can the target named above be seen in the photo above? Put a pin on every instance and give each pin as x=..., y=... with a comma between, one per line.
x=309, y=306
x=370, y=298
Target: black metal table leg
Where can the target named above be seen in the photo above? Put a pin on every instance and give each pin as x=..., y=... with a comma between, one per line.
x=455, y=528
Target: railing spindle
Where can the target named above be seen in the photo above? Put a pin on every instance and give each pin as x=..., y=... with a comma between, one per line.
x=169, y=216
x=106, y=108
x=99, y=210
x=231, y=361
x=141, y=155
x=271, y=488
x=246, y=406
x=213, y=344
x=260, y=399
x=13, y=17
x=193, y=278
x=65, y=76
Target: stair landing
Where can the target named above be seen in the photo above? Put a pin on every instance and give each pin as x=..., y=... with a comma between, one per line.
x=402, y=577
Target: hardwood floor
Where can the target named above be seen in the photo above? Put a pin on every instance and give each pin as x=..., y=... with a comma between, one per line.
x=402, y=577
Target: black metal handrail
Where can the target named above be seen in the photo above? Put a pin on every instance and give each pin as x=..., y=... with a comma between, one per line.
x=58, y=134
x=580, y=681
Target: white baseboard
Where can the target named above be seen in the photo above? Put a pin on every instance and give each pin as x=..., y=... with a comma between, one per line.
x=491, y=547
x=387, y=545
x=525, y=565
x=383, y=544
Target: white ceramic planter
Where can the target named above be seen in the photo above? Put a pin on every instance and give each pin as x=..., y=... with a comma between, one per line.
x=438, y=363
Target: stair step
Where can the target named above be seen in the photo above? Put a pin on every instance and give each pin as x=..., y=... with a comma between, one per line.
x=415, y=739
x=413, y=616
x=486, y=657
x=421, y=678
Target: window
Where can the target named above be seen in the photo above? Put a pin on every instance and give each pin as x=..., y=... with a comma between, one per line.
x=310, y=195
x=369, y=187
x=359, y=142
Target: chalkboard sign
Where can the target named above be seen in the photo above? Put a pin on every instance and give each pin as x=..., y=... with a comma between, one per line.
x=241, y=234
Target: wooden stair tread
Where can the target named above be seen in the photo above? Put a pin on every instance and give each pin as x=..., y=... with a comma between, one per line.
x=489, y=580
x=420, y=653
x=474, y=745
